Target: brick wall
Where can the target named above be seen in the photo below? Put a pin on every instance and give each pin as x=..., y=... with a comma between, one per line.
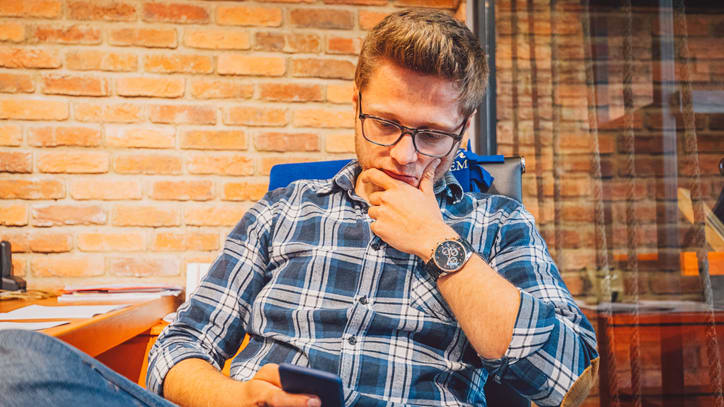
x=561, y=105
x=135, y=134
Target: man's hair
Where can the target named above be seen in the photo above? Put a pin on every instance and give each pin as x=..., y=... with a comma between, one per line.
x=431, y=43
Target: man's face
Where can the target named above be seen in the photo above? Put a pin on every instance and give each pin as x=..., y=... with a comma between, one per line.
x=413, y=100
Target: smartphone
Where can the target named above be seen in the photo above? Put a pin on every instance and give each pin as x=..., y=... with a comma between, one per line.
x=328, y=386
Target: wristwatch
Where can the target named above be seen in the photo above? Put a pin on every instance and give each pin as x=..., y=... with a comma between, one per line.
x=448, y=257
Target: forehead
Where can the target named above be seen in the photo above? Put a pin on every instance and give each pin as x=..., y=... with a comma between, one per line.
x=392, y=87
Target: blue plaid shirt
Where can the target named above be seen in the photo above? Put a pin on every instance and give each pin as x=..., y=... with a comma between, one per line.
x=304, y=276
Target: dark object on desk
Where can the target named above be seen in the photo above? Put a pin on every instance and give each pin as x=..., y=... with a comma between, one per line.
x=298, y=379
x=8, y=281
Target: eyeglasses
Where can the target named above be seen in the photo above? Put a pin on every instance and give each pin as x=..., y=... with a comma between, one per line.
x=383, y=132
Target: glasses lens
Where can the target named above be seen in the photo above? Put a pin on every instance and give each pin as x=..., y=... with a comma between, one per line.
x=380, y=131
x=434, y=144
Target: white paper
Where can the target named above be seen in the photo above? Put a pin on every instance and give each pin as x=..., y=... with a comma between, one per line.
x=31, y=326
x=58, y=312
x=107, y=297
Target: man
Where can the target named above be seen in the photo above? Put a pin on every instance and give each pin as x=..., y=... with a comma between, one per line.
x=388, y=275
x=332, y=274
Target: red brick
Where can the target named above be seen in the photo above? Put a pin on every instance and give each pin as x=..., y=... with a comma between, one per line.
x=109, y=113
x=244, y=191
x=16, y=161
x=144, y=215
x=324, y=118
x=343, y=45
x=12, y=32
x=340, y=93
x=255, y=116
x=19, y=242
x=104, y=189
x=16, y=83
x=33, y=109
x=13, y=215
x=145, y=267
x=182, y=114
x=182, y=190
x=268, y=162
x=295, y=42
x=147, y=164
x=322, y=68
x=220, y=89
x=51, y=242
x=111, y=242
x=140, y=137
x=249, y=16
x=31, y=189
x=144, y=37
x=176, y=242
x=74, y=34
x=11, y=135
x=19, y=266
x=178, y=63
x=369, y=19
x=217, y=39
x=235, y=64
x=151, y=87
x=102, y=10
x=222, y=215
x=203, y=164
x=30, y=8
x=322, y=18
x=275, y=141
x=93, y=60
x=73, y=162
x=29, y=58
x=67, y=266
x=214, y=140
x=61, y=215
x=290, y=92
x=75, y=85
x=175, y=13
x=339, y=143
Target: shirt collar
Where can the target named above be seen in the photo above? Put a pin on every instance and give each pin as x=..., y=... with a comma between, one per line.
x=345, y=179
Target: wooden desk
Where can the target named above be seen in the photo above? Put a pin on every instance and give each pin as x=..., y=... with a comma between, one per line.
x=118, y=338
x=675, y=357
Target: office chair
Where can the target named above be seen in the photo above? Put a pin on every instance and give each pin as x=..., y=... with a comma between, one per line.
x=491, y=174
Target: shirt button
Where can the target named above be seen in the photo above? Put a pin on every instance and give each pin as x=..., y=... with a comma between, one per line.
x=376, y=245
x=363, y=300
x=352, y=340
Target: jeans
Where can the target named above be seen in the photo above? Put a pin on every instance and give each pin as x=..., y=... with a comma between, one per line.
x=38, y=370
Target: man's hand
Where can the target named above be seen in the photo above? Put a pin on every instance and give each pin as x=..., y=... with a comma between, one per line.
x=406, y=218
x=265, y=389
x=194, y=382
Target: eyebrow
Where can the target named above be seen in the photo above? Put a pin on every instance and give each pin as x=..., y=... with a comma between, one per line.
x=427, y=125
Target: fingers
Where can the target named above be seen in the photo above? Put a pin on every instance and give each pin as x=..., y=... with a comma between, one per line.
x=428, y=176
x=265, y=387
x=377, y=178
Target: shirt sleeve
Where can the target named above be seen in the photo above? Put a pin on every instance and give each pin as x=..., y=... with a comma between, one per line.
x=211, y=324
x=553, y=344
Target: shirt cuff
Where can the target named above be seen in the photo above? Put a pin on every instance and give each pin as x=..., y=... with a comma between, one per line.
x=161, y=360
x=533, y=327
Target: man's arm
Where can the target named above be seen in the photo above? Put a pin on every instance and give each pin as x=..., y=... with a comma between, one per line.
x=409, y=220
x=516, y=316
x=195, y=382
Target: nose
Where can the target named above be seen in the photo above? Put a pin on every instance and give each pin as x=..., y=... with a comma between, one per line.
x=404, y=151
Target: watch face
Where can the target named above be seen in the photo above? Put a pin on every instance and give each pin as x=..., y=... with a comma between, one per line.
x=450, y=255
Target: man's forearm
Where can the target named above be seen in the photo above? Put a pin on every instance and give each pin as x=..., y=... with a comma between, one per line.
x=485, y=304
x=195, y=382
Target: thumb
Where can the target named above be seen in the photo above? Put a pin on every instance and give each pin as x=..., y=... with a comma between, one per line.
x=428, y=177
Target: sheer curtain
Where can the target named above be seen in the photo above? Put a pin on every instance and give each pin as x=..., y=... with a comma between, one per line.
x=618, y=108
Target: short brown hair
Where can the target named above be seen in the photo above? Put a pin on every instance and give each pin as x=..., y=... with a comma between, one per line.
x=429, y=42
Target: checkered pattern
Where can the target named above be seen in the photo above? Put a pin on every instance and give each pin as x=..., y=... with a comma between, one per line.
x=305, y=277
